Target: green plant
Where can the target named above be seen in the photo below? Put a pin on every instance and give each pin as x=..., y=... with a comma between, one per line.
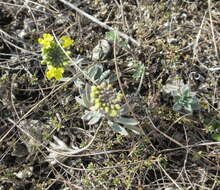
x=138, y=69
x=54, y=56
x=212, y=126
x=105, y=98
x=113, y=37
x=102, y=101
x=97, y=75
x=185, y=99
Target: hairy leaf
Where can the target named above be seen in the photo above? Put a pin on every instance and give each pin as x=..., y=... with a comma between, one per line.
x=80, y=101
x=87, y=116
x=118, y=128
x=95, y=118
x=135, y=129
x=126, y=121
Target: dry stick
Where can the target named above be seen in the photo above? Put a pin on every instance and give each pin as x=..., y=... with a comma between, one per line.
x=73, y=62
x=140, y=83
x=11, y=97
x=71, y=151
x=30, y=10
x=120, y=85
x=212, y=29
x=103, y=168
x=190, y=146
x=186, y=158
x=15, y=124
x=195, y=52
x=18, y=40
x=121, y=34
x=176, y=142
x=174, y=182
x=214, y=42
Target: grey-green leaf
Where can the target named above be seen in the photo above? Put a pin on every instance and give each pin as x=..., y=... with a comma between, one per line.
x=87, y=116
x=111, y=36
x=87, y=93
x=126, y=121
x=177, y=107
x=118, y=128
x=103, y=76
x=135, y=129
x=95, y=118
x=93, y=72
x=80, y=101
x=124, y=110
x=79, y=83
x=85, y=100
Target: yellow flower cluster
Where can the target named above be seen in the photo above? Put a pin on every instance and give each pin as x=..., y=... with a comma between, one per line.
x=57, y=73
x=67, y=41
x=106, y=99
x=53, y=55
x=46, y=41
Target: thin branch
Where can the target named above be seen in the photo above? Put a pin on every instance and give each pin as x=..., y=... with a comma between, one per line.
x=212, y=29
x=121, y=34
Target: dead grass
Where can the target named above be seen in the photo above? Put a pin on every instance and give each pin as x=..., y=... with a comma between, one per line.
x=173, y=39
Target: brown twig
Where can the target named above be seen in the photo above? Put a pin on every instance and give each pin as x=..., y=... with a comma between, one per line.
x=121, y=34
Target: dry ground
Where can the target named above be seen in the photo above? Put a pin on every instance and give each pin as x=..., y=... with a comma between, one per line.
x=179, y=41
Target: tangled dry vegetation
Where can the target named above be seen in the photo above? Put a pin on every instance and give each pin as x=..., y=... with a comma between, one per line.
x=166, y=64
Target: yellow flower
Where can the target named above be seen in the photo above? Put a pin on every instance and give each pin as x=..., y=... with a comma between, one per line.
x=56, y=72
x=106, y=109
x=97, y=105
x=46, y=41
x=117, y=107
x=67, y=41
x=119, y=97
x=113, y=113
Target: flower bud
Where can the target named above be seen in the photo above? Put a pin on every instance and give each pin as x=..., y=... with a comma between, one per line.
x=97, y=105
x=93, y=88
x=117, y=107
x=106, y=109
x=113, y=113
